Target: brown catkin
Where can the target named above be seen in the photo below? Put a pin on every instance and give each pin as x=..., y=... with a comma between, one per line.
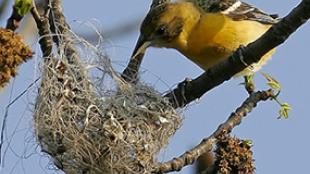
x=13, y=52
x=233, y=156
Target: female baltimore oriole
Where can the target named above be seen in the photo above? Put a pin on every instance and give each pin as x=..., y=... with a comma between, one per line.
x=205, y=31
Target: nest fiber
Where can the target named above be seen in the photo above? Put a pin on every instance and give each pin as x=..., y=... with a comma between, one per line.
x=101, y=124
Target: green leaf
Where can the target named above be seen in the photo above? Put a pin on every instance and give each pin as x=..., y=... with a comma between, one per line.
x=284, y=110
x=22, y=6
x=272, y=83
x=249, y=78
x=248, y=142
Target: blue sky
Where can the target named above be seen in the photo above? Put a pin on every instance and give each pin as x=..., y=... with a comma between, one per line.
x=280, y=146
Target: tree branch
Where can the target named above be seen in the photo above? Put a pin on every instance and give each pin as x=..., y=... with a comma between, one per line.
x=14, y=20
x=58, y=22
x=44, y=32
x=234, y=120
x=63, y=37
x=188, y=91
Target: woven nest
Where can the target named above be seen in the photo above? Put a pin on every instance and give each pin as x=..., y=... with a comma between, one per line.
x=94, y=124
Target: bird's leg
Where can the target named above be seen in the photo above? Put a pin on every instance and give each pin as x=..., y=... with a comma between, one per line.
x=249, y=83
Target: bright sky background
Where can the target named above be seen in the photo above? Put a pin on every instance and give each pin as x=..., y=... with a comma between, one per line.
x=280, y=146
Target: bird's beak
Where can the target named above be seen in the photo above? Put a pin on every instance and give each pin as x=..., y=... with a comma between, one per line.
x=141, y=46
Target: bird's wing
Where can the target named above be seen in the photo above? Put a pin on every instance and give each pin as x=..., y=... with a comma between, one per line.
x=235, y=9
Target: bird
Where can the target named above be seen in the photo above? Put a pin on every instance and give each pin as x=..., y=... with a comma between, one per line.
x=205, y=31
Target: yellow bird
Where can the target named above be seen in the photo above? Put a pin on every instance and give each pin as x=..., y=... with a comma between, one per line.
x=205, y=31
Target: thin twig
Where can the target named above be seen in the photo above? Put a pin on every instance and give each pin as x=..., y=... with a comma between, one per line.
x=14, y=20
x=190, y=90
x=42, y=22
x=61, y=29
x=206, y=144
x=58, y=23
x=64, y=39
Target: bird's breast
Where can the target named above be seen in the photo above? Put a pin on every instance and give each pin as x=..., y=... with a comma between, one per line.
x=216, y=36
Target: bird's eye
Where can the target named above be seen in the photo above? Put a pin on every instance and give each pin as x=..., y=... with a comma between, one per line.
x=161, y=30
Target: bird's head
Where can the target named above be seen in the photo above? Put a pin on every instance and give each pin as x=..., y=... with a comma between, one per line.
x=163, y=26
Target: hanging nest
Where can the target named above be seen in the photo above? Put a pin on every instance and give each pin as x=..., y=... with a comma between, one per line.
x=91, y=124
